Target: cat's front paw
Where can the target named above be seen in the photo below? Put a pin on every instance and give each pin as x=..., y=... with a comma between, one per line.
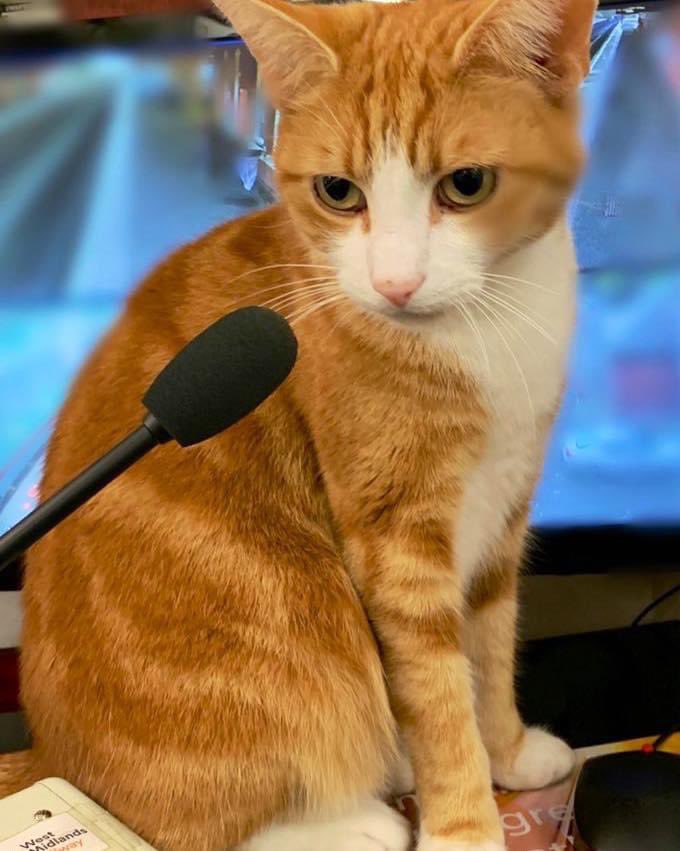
x=435, y=843
x=542, y=759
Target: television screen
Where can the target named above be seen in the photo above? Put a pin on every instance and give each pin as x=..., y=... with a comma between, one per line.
x=615, y=455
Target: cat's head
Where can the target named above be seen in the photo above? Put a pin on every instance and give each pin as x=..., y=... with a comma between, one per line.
x=421, y=141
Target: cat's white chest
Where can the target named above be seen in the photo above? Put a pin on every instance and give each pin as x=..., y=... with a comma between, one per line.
x=520, y=372
x=498, y=483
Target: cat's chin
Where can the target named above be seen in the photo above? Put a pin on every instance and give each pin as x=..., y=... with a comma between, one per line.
x=416, y=315
x=421, y=321
x=412, y=314
x=421, y=312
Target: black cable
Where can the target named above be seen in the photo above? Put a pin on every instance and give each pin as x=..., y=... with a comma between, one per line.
x=664, y=737
x=660, y=599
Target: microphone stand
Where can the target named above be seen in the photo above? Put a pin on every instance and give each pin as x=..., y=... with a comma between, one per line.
x=88, y=483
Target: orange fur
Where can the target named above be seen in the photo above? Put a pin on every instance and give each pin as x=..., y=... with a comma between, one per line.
x=230, y=635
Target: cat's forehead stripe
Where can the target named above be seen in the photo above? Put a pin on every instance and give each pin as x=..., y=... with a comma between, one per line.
x=396, y=95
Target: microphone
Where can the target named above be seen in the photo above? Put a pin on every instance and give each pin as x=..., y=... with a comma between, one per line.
x=214, y=381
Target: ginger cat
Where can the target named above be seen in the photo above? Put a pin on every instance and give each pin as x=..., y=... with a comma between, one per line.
x=230, y=646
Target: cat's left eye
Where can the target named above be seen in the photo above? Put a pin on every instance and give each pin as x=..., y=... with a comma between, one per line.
x=466, y=187
x=339, y=194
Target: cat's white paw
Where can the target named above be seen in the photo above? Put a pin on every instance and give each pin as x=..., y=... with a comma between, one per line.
x=542, y=759
x=434, y=843
x=372, y=827
x=381, y=825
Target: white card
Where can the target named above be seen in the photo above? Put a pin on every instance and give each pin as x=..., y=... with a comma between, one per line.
x=59, y=833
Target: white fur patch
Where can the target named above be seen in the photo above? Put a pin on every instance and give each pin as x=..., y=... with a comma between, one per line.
x=542, y=760
x=523, y=381
x=373, y=827
x=403, y=244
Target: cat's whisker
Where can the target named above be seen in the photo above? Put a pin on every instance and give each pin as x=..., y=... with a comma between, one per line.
x=496, y=299
x=299, y=286
x=289, y=309
x=301, y=290
x=298, y=298
x=278, y=266
x=489, y=312
x=469, y=319
x=491, y=284
x=506, y=279
x=504, y=289
x=304, y=314
x=289, y=283
x=511, y=327
x=282, y=302
x=510, y=298
x=301, y=293
x=517, y=308
x=516, y=332
x=292, y=285
x=341, y=318
x=511, y=301
x=465, y=360
x=301, y=311
x=492, y=276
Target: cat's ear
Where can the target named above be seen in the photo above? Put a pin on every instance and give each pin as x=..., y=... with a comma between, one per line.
x=547, y=39
x=286, y=40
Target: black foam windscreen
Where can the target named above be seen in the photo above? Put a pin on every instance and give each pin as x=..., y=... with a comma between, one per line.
x=222, y=374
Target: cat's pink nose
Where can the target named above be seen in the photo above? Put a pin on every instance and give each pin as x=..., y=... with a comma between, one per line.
x=398, y=291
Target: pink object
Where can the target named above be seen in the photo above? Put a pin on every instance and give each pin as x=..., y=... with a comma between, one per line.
x=398, y=292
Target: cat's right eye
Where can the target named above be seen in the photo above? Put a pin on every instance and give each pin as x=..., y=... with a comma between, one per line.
x=339, y=194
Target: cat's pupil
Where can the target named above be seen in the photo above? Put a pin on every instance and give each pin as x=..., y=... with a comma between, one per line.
x=468, y=181
x=337, y=187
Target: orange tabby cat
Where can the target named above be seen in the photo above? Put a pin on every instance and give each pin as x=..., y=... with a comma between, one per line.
x=231, y=645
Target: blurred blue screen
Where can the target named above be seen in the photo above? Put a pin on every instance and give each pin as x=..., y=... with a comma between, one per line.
x=111, y=159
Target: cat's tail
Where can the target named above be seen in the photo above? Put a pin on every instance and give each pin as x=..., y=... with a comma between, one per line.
x=17, y=771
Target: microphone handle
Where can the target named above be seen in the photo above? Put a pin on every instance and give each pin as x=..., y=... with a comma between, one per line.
x=78, y=491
